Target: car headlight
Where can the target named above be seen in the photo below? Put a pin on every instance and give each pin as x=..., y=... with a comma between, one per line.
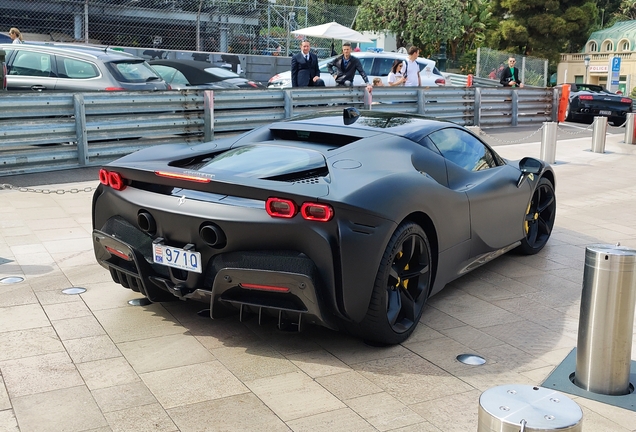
x=280, y=83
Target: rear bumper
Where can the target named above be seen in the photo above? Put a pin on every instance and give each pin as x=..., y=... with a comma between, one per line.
x=285, y=283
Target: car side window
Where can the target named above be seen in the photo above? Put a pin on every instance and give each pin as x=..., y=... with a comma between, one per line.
x=382, y=66
x=31, y=64
x=171, y=75
x=367, y=64
x=463, y=149
x=75, y=69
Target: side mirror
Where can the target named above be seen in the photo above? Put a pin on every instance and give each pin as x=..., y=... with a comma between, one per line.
x=350, y=115
x=529, y=167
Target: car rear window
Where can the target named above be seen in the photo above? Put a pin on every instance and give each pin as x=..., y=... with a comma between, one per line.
x=260, y=161
x=132, y=71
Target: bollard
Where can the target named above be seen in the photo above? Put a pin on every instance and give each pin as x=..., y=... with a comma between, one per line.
x=516, y=407
x=630, y=128
x=599, y=130
x=548, y=142
x=606, y=320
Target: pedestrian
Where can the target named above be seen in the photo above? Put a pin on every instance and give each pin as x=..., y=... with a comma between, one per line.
x=15, y=34
x=304, y=68
x=344, y=67
x=411, y=70
x=377, y=82
x=510, y=75
x=395, y=76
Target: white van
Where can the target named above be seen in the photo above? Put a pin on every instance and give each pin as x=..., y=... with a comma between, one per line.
x=375, y=65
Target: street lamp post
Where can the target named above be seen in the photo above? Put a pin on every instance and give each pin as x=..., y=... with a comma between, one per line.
x=586, y=61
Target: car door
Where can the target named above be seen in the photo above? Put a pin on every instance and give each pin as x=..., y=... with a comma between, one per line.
x=497, y=206
x=31, y=71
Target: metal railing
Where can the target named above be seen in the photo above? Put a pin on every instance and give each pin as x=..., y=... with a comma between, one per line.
x=52, y=131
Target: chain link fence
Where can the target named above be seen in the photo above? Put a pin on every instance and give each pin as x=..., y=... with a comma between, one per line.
x=533, y=71
x=237, y=26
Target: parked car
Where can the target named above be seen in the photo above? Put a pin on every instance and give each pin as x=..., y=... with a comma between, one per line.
x=5, y=38
x=75, y=67
x=375, y=65
x=347, y=219
x=590, y=100
x=192, y=74
x=3, y=71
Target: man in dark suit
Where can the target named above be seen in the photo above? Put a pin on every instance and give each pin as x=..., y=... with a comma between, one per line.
x=510, y=75
x=304, y=68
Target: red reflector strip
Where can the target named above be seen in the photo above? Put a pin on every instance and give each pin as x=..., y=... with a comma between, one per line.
x=626, y=100
x=179, y=176
x=316, y=212
x=117, y=253
x=264, y=287
x=586, y=97
x=114, y=88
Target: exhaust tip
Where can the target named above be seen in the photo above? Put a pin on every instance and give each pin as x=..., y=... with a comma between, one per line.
x=146, y=222
x=212, y=235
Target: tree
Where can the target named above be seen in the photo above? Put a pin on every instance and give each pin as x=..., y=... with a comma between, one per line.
x=543, y=27
x=424, y=23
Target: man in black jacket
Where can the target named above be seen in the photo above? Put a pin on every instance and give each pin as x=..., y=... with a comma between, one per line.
x=510, y=75
x=344, y=67
x=304, y=68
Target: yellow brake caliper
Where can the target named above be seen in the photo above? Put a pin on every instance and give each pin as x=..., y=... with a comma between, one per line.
x=526, y=224
x=405, y=282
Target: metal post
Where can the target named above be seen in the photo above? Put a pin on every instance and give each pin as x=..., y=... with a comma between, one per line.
x=516, y=407
x=477, y=62
x=421, y=102
x=606, y=320
x=523, y=70
x=630, y=129
x=80, y=128
x=548, y=142
x=208, y=114
x=477, y=106
x=599, y=130
x=368, y=99
x=515, y=108
x=289, y=103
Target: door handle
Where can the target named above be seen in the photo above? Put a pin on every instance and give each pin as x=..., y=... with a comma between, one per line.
x=38, y=88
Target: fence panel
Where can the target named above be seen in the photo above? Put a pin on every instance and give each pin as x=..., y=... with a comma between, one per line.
x=61, y=131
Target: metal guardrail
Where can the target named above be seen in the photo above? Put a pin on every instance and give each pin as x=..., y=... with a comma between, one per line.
x=52, y=131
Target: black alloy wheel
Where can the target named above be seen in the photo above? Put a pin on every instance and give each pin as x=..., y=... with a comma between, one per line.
x=539, y=219
x=401, y=287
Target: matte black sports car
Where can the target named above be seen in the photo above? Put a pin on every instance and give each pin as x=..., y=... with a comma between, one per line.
x=589, y=100
x=350, y=220
x=193, y=74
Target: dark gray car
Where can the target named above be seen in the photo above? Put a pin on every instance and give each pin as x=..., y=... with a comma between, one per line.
x=66, y=67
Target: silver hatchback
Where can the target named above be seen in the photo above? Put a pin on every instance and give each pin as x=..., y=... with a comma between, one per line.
x=76, y=68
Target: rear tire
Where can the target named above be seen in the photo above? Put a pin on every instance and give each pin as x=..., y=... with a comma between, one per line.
x=401, y=288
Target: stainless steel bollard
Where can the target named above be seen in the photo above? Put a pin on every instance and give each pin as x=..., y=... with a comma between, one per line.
x=599, y=130
x=516, y=407
x=630, y=128
x=548, y=142
x=606, y=320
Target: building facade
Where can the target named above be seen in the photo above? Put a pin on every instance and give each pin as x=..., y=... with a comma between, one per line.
x=595, y=63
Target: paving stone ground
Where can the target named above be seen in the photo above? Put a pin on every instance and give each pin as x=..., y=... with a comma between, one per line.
x=92, y=362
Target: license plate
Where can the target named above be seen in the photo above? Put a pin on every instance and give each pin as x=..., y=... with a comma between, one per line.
x=177, y=258
x=605, y=112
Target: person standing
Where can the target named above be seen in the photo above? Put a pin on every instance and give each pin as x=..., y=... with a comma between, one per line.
x=304, y=68
x=395, y=76
x=510, y=75
x=411, y=70
x=15, y=34
x=344, y=67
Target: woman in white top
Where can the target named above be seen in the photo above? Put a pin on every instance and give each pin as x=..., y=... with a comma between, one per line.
x=395, y=76
x=15, y=34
